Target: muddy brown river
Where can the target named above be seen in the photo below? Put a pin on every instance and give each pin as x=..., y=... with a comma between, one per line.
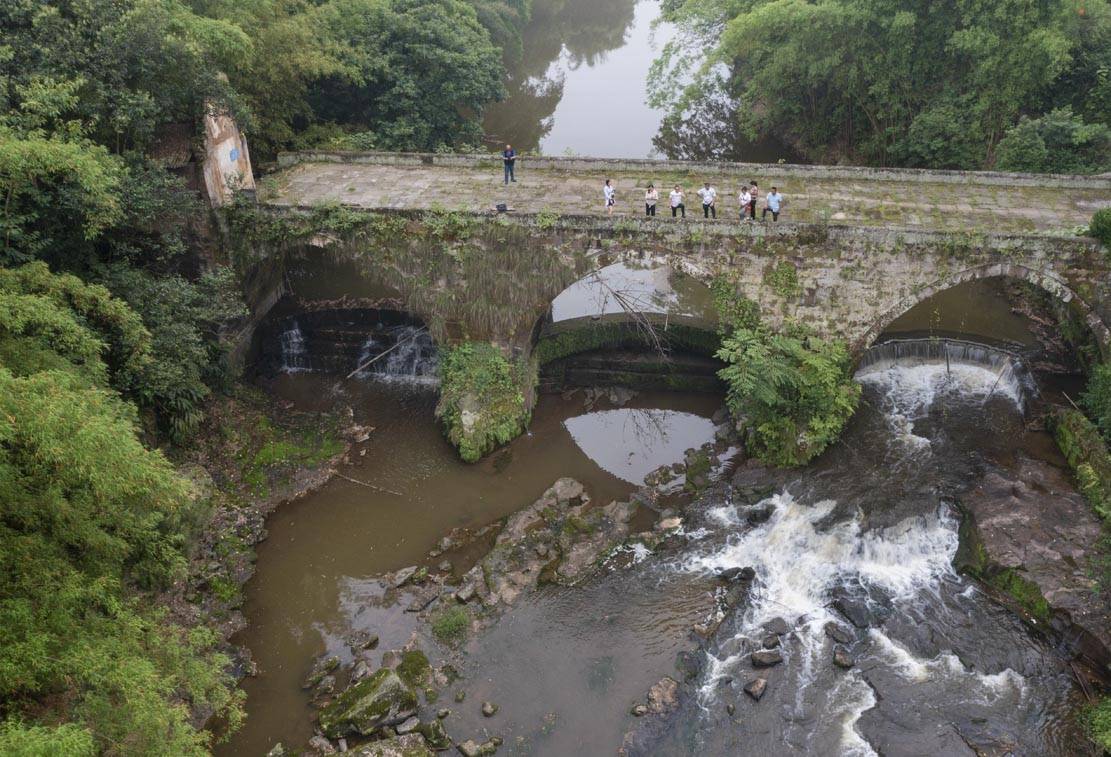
x=941, y=668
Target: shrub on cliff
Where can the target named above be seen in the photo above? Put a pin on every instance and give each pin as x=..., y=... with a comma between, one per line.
x=1100, y=226
x=794, y=391
x=481, y=404
x=1099, y=723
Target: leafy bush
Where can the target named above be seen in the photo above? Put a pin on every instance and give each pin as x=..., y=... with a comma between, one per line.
x=1057, y=142
x=734, y=311
x=481, y=404
x=1100, y=226
x=794, y=391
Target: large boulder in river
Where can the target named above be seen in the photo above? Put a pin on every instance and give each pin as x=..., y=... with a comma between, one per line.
x=380, y=700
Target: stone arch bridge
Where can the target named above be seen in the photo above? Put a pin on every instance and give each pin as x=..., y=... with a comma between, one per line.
x=854, y=249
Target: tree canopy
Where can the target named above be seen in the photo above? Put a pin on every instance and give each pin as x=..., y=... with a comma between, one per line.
x=958, y=84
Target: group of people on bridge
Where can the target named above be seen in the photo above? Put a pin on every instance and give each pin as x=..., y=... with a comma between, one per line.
x=748, y=197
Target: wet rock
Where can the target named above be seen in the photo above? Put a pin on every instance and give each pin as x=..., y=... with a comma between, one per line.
x=489, y=709
x=842, y=658
x=409, y=726
x=639, y=710
x=721, y=415
x=403, y=576
x=466, y=592
x=276, y=751
x=318, y=745
x=325, y=688
x=443, y=713
x=856, y=611
x=409, y=745
x=667, y=524
x=360, y=671
x=771, y=641
x=689, y=664
x=765, y=658
x=380, y=700
x=434, y=733
x=460, y=695
x=320, y=668
x=777, y=626
x=838, y=633
x=470, y=748
x=729, y=575
x=445, y=566
x=423, y=599
x=363, y=640
x=756, y=688
x=663, y=697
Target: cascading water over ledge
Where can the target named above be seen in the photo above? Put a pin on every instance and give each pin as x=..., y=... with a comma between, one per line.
x=966, y=366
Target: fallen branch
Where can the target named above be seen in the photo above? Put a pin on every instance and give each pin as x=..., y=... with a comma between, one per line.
x=369, y=486
x=382, y=354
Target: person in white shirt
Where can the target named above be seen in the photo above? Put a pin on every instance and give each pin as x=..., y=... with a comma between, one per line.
x=745, y=198
x=677, y=205
x=708, y=195
x=651, y=197
x=610, y=195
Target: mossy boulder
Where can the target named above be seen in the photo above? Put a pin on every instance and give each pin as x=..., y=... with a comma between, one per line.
x=482, y=400
x=380, y=700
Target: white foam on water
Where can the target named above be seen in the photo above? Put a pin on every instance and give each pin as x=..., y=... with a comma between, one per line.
x=798, y=558
x=983, y=686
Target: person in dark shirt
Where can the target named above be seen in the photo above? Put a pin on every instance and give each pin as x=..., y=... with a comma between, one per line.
x=509, y=157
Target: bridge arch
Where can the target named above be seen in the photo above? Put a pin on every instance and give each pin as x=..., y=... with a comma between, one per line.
x=1047, y=281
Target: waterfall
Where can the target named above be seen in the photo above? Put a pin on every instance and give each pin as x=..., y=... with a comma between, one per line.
x=947, y=365
x=295, y=355
x=412, y=356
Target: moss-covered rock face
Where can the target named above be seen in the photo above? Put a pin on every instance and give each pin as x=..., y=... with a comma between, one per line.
x=380, y=700
x=1082, y=445
x=482, y=398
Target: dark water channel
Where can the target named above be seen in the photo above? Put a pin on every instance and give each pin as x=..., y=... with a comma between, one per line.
x=946, y=671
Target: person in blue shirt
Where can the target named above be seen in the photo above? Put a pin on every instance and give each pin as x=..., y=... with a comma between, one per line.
x=773, y=202
x=509, y=157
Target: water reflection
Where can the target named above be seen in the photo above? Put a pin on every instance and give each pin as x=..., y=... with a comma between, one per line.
x=623, y=287
x=631, y=443
x=580, y=84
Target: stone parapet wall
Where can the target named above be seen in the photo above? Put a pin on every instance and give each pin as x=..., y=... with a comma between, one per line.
x=742, y=171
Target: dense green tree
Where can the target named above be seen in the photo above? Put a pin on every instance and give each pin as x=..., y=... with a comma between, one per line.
x=896, y=82
x=421, y=70
x=1057, y=142
x=90, y=520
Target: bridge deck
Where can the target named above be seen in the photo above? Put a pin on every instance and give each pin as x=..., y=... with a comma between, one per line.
x=941, y=201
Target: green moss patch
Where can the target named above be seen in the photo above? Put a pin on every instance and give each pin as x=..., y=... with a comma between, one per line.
x=1084, y=448
x=451, y=625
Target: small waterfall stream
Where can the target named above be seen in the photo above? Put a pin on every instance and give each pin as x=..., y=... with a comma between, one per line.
x=295, y=354
x=412, y=356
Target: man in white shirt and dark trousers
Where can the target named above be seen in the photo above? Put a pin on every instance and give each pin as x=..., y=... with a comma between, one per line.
x=676, y=198
x=708, y=195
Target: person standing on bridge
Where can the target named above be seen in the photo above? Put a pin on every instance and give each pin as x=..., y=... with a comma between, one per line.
x=753, y=195
x=677, y=205
x=772, y=202
x=611, y=197
x=744, y=198
x=509, y=157
x=709, y=195
x=651, y=197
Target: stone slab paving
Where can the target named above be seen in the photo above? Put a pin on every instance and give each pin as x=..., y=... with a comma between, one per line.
x=941, y=205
